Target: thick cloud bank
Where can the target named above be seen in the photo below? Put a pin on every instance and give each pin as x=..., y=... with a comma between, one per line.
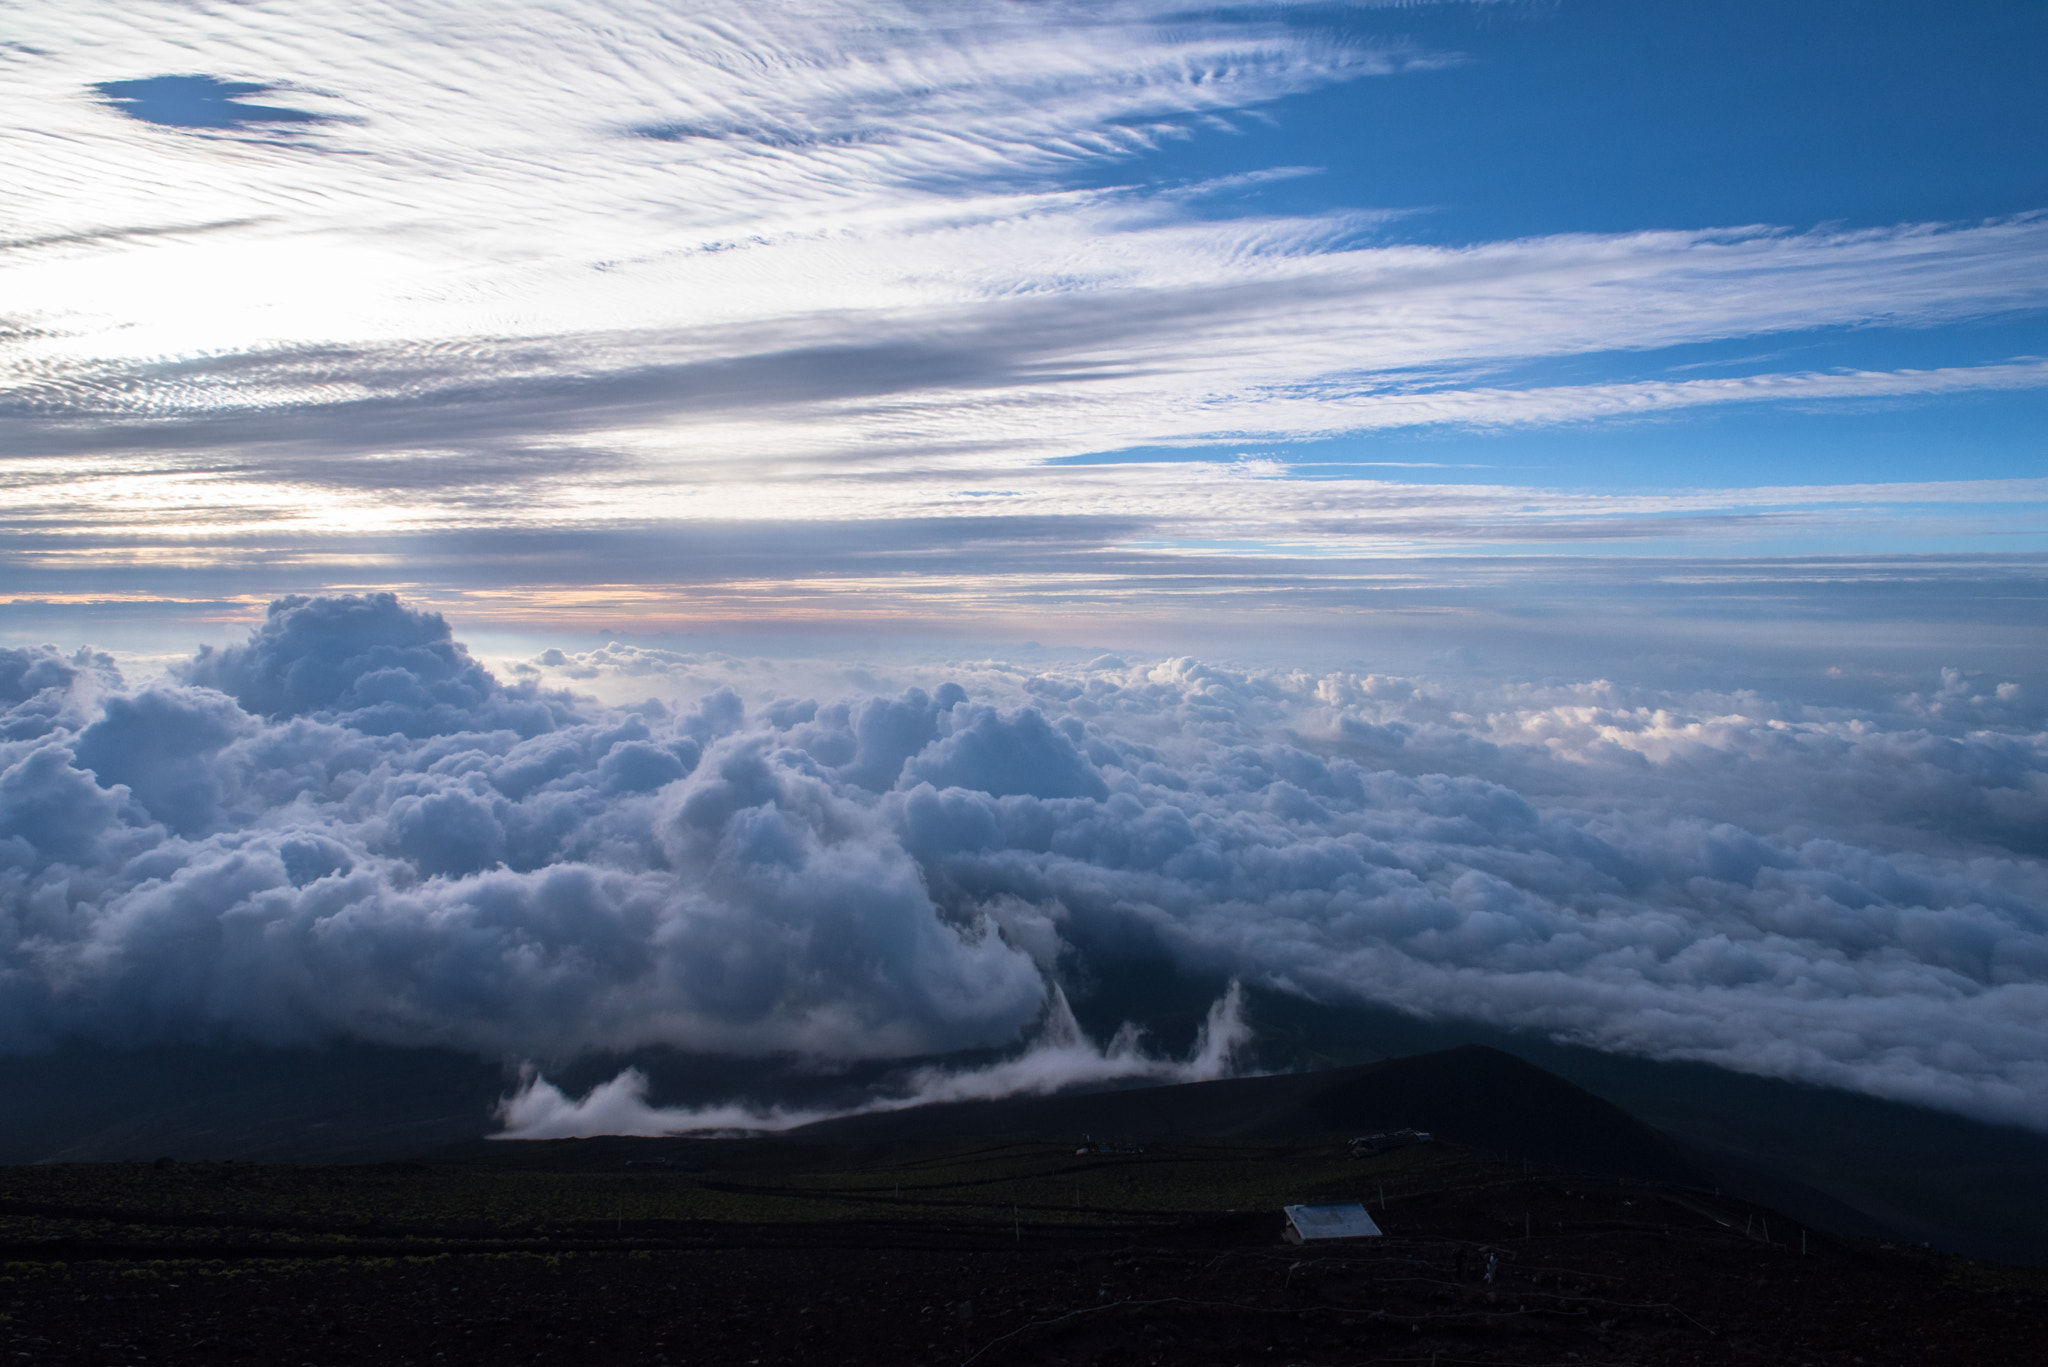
x=348, y=828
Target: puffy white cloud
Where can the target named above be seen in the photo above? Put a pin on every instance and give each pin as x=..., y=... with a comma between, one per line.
x=383, y=841
x=408, y=850
x=371, y=665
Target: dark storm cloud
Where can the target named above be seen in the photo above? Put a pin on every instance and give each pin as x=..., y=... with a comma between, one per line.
x=346, y=827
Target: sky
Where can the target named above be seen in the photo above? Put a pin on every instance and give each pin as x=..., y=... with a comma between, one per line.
x=827, y=531
x=1011, y=318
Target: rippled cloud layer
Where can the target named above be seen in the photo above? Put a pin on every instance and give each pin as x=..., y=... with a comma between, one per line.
x=282, y=279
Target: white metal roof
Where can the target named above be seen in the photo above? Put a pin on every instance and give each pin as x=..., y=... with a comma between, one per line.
x=1347, y=1221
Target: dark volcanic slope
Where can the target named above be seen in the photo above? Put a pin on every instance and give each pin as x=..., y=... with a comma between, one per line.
x=1469, y=1095
x=1839, y=1161
x=1234, y=1108
x=974, y=1252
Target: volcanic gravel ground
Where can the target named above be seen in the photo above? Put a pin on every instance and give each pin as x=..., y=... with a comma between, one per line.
x=1583, y=1270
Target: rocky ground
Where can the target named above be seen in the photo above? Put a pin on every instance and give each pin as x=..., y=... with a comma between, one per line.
x=1023, y=1252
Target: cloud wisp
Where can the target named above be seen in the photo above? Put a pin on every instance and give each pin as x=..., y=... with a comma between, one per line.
x=1058, y=1057
x=348, y=828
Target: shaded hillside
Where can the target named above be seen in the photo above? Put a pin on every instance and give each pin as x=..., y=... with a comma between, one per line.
x=349, y=1103
x=1471, y=1095
x=1838, y=1160
x=1957, y=1183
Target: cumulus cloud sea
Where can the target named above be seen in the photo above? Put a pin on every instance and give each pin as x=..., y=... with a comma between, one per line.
x=348, y=828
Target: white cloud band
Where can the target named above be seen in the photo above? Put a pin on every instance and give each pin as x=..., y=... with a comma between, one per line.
x=368, y=836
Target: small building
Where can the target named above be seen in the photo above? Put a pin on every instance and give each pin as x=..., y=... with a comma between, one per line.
x=1317, y=1224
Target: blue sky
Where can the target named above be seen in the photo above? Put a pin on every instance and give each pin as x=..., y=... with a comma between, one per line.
x=1607, y=117
x=315, y=295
